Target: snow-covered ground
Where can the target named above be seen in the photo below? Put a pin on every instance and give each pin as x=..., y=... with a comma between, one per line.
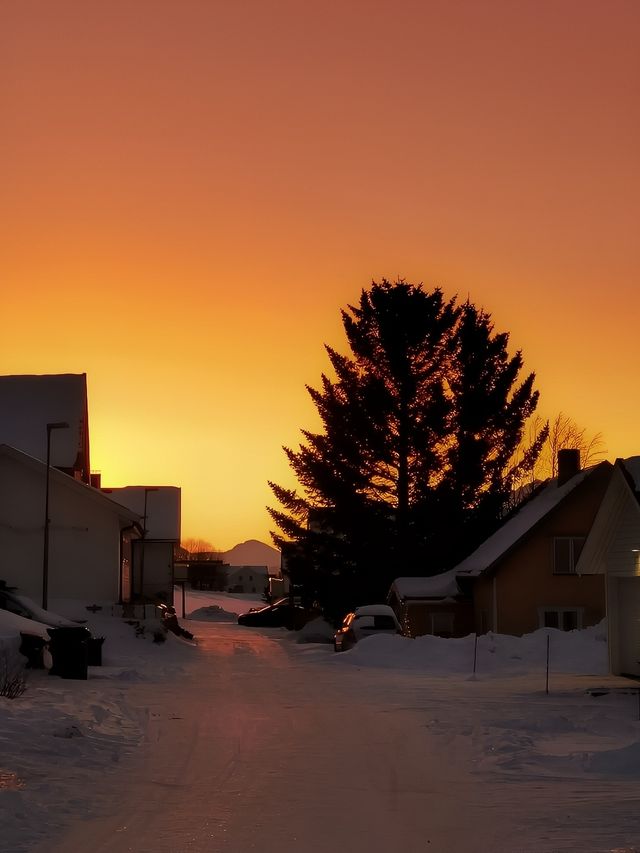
x=560, y=770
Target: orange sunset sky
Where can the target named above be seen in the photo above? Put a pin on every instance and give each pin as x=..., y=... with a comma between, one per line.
x=192, y=189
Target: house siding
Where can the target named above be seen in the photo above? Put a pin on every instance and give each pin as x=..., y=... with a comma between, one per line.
x=522, y=581
x=619, y=556
x=612, y=552
x=417, y=617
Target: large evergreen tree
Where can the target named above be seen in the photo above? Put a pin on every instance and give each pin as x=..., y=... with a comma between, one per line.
x=411, y=468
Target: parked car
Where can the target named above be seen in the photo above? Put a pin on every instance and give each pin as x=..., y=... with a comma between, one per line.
x=366, y=621
x=280, y=614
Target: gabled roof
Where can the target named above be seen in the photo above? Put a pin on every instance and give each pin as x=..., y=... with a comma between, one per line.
x=88, y=492
x=631, y=467
x=29, y=403
x=621, y=501
x=521, y=524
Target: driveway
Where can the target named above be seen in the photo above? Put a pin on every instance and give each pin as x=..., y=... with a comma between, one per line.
x=270, y=746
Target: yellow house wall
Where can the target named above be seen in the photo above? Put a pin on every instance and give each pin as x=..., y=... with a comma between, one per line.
x=524, y=579
x=417, y=617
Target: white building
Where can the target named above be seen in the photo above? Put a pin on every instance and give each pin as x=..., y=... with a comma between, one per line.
x=613, y=550
x=89, y=534
x=159, y=507
x=249, y=579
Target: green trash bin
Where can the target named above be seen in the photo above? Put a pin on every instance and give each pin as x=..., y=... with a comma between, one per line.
x=69, y=649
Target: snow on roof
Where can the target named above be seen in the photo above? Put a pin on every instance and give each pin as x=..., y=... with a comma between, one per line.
x=437, y=586
x=515, y=528
x=29, y=403
x=70, y=482
x=375, y=610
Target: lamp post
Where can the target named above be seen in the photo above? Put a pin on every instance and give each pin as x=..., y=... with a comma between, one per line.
x=45, y=553
x=144, y=537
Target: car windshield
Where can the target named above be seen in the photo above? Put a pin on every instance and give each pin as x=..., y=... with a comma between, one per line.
x=376, y=623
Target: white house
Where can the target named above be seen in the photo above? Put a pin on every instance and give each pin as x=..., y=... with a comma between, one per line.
x=250, y=579
x=159, y=507
x=89, y=534
x=613, y=549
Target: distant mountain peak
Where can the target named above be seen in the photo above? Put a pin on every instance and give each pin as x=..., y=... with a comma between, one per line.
x=252, y=552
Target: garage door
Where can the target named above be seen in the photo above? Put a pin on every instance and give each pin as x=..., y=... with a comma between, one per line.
x=629, y=626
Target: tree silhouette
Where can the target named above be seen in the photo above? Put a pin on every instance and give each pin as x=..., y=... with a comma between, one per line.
x=414, y=462
x=565, y=433
x=198, y=549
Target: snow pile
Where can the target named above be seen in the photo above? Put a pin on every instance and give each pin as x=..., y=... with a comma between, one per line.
x=316, y=631
x=12, y=625
x=46, y=616
x=579, y=652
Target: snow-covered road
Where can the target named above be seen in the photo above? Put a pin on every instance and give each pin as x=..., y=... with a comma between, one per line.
x=271, y=746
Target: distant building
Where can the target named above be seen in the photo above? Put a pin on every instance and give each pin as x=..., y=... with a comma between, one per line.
x=207, y=574
x=248, y=579
x=153, y=554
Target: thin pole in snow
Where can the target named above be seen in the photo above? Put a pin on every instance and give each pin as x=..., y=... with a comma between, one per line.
x=475, y=654
x=547, y=686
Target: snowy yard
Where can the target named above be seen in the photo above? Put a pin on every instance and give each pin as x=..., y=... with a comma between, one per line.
x=252, y=741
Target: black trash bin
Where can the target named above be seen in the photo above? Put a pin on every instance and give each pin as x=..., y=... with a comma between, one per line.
x=95, y=651
x=69, y=649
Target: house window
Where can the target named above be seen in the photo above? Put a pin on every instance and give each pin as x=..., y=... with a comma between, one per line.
x=563, y=618
x=566, y=551
x=442, y=624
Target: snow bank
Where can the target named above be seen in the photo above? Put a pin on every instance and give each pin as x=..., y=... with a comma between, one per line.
x=579, y=652
x=315, y=631
x=12, y=625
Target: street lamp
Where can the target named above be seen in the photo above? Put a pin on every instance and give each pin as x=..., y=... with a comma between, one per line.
x=144, y=536
x=45, y=554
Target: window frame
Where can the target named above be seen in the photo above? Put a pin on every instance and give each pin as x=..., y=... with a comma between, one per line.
x=573, y=559
x=560, y=611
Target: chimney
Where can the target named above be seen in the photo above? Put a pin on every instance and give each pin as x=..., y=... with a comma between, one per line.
x=568, y=464
x=95, y=479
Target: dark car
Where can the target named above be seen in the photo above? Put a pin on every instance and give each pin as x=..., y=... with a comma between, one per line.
x=280, y=614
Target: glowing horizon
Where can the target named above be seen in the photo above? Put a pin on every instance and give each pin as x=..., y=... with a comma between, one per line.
x=194, y=191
